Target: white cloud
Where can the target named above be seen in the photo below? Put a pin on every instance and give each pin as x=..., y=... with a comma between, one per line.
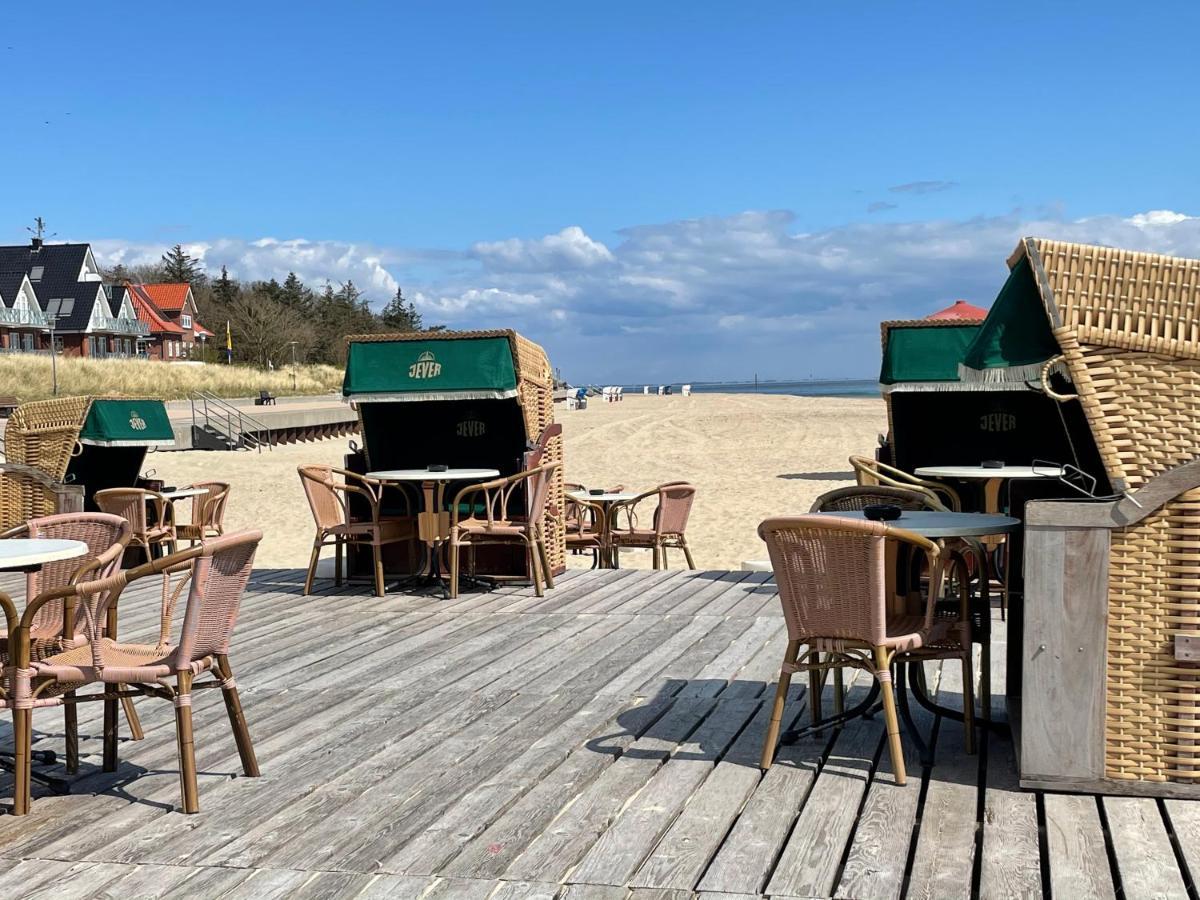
x=715, y=297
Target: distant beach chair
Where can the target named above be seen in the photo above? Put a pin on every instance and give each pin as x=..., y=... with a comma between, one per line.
x=667, y=527
x=686, y=390
x=661, y=390
x=834, y=591
x=265, y=398
x=646, y=389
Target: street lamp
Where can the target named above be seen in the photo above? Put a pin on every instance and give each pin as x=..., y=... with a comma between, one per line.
x=293, y=346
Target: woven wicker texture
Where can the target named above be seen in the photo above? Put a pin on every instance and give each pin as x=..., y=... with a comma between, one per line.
x=853, y=499
x=43, y=434
x=535, y=393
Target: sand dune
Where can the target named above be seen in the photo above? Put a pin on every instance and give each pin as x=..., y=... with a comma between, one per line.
x=750, y=456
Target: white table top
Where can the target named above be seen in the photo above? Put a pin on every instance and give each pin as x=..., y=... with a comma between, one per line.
x=979, y=472
x=184, y=492
x=19, y=553
x=944, y=524
x=426, y=475
x=601, y=498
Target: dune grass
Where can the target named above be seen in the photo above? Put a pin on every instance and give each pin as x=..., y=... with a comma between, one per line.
x=28, y=377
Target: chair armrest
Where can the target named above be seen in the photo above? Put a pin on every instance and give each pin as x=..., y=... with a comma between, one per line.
x=630, y=507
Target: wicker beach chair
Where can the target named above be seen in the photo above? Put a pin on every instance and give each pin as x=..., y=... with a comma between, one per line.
x=45, y=434
x=667, y=525
x=149, y=533
x=872, y=472
x=106, y=537
x=329, y=501
x=216, y=574
x=26, y=492
x=834, y=588
x=481, y=515
x=208, y=513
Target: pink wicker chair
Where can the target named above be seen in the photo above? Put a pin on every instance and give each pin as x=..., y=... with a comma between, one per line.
x=493, y=501
x=329, y=501
x=208, y=513
x=106, y=537
x=667, y=526
x=216, y=574
x=130, y=504
x=834, y=587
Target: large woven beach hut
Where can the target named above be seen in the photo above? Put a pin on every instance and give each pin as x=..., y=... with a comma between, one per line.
x=39, y=439
x=462, y=399
x=1111, y=687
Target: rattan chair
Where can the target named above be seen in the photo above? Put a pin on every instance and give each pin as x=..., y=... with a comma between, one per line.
x=106, y=537
x=150, y=533
x=667, y=527
x=858, y=497
x=208, y=513
x=482, y=514
x=872, y=472
x=216, y=574
x=584, y=531
x=834, y=587
x=329, y=501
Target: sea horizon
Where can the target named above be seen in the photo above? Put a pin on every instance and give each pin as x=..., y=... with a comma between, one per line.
x=811, y=387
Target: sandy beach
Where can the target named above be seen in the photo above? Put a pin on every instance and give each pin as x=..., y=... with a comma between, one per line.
x=749, y=455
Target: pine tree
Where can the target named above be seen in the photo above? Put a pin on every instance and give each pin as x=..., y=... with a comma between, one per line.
x=296, y=295
x=118, y=274
x=400, y=314
x=225, y=289
x=179, y=266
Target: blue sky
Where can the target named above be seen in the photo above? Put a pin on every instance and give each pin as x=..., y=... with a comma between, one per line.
x=671, y=191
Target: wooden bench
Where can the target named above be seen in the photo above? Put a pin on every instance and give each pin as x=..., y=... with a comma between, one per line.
x=265, y=398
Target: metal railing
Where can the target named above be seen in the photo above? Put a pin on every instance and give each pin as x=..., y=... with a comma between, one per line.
x=235, y=425
x=119, y=325
x=17, y=316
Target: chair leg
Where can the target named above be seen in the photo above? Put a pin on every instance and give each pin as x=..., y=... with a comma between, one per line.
x=71, y=730
x=816, y=683
x=968, y=677
x=237, y=719
x=377, y=554
x=839, y=692
x=110, y=731
x=22, y=740
x=312, y=567
x=544, y=556
x=187, y=748
x=785, y=680
x=687, y=553
x=662, y=552
x=455, y=562
x=337, y=561
x=131, y=716
x=535, y=568
x=883, y=673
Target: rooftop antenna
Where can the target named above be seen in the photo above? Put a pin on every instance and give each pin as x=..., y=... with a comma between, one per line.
x=39, y=232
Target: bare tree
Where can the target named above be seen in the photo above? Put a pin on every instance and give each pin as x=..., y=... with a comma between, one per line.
x=263, y=328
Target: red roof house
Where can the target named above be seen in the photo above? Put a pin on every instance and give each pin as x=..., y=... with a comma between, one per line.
x=960, y=309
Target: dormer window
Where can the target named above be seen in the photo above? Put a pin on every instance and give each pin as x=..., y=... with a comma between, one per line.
x=35, y=274
x=185, y=320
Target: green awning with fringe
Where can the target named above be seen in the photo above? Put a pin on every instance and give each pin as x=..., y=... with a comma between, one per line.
x=127, y=423
x=1015, y=340
x=925, y=353
x=463, y=369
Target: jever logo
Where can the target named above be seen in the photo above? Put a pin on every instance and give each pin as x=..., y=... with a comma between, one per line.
x=471, y=428
x=136, y=422
x=425, y=367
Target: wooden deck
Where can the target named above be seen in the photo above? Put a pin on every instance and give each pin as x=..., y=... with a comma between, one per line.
x=600, y=743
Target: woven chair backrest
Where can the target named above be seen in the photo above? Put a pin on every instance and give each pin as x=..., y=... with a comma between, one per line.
x=328, y=510
x=674, y=507
x=830, y=575
x=219, y=577
x=100, y=531
x=539, y=491
x=128, y=503
x=209, y=509
x=850, y=499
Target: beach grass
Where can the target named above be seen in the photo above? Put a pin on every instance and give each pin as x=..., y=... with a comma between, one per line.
x=28, y=377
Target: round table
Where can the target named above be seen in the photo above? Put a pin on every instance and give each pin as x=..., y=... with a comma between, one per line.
x=29, y=553
x=937, y=524
x=606, y=501
x=433, y=522
x=993, y=478
x=181, y=493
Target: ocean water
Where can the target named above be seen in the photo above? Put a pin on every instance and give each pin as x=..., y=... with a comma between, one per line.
x=815, y=388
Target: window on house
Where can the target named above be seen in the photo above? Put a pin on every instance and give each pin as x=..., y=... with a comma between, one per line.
x=60, y=306
x=35, y=274
x=28, y=340
x=185, y=320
